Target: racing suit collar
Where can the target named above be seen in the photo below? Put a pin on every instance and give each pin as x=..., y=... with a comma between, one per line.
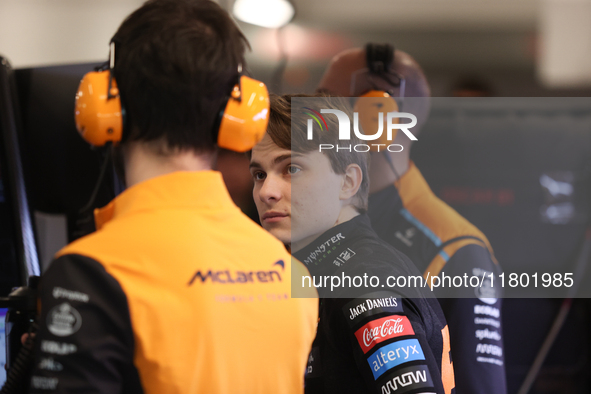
x=330, y=251
x=181, y=189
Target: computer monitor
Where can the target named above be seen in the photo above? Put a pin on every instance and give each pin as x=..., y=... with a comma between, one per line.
x=18, y=251
x=62, y=168
x=2, y=341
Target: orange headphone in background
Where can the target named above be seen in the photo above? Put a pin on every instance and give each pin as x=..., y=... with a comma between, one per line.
x=379, y=59
x=100, y=116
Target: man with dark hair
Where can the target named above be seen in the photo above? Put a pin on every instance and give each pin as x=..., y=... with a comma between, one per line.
x=370, y=338
x=176, y=63
x=177, y=291
x=405, y=213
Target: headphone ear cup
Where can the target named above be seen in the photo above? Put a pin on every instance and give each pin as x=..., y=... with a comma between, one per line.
x=369, y=106
x=245, y=118
x=97, y=111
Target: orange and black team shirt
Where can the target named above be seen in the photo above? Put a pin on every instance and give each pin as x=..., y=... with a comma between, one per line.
x=375, y=339
x=441, y=243
x=177, y=292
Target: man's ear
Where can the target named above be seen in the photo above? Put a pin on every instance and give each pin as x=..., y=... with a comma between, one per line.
x=351, y=181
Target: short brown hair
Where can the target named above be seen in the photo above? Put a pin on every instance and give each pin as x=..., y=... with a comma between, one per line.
x=289, y=133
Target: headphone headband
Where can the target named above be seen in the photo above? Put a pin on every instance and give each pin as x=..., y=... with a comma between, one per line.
x=379, y=57
x=100, y=115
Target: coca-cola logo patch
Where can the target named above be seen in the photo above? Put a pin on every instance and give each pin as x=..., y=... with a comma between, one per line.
x=381, y=330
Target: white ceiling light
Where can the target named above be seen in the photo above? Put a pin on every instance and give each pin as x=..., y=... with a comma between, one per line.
x=266, y=13
x=565, y=43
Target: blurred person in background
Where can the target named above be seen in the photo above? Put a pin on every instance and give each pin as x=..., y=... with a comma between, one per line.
x=407, y=214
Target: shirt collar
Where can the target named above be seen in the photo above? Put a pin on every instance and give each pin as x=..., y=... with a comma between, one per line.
x=331, y=250
x=181, y=189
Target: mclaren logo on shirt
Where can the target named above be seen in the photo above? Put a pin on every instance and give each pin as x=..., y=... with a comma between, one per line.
x=239, y=277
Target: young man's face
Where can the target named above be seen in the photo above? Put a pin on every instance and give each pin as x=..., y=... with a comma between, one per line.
x=297, y=195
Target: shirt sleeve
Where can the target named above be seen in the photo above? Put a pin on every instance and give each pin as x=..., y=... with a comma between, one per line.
x=85, y=340
x=391, y=346
x=474, y=316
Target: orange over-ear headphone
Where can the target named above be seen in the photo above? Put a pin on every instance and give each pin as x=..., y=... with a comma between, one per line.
x=379, y=60
x=100, y=116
